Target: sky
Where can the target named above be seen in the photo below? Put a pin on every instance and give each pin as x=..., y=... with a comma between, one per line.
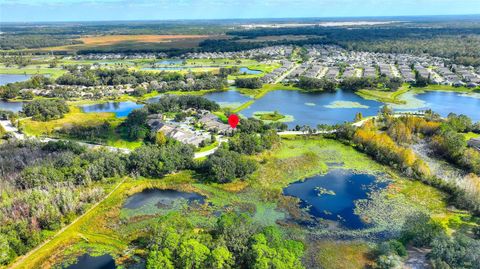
x=105, y=10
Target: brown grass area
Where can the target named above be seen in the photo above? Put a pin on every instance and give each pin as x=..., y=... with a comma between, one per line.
x=341, y=254
x=135, y=42
x=115, y=39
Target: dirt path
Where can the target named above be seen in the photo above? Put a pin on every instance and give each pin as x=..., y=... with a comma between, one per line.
x=417, y=259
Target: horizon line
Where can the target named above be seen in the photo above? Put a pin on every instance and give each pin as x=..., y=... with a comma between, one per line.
x=240, y=19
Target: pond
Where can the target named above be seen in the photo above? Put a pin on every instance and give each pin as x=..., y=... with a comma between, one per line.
x=11, y=106
x=444, y=103
x=121, y=109
x=154, y=99
x=10, y=78
x=314, y=108
x=230, y=98
x=332, y=196
x=161, y=198
x=91, y=262
x=170, y=61
x=249, y=71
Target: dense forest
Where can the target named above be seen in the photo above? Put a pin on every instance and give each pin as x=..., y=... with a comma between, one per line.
x=234, y=242
x=10, y=42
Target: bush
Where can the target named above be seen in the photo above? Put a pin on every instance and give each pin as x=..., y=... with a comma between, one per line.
x=460, y=251
x=421, y=230
x=225, y=166
x=249, y=83
x=253, y=143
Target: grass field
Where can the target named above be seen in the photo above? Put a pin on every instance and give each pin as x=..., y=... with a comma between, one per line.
x=384, y=96
x=209, y=147
x=259, y=93
x=343, y=254
x=270, y=116
x=32, y=70
x=446, y=88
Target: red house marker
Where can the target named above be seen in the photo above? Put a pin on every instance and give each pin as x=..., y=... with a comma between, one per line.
x=233, y=121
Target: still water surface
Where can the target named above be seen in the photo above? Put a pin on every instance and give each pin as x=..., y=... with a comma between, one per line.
x=100, y=262
x=332, y=196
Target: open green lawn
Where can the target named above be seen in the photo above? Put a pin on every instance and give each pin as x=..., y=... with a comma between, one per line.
x=209, y=147
x=384, y=96
x=395, y=97
x=32, y=70
x=259, y=93
x=270, y=116
x=446, y=88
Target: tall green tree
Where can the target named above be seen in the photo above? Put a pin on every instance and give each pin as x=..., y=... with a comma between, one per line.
x=192, y=254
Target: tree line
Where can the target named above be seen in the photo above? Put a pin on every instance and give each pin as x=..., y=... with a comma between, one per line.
x=350, y=84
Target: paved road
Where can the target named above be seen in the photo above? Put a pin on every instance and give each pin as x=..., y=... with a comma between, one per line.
x=10, y=128
x=220, y=140
x=282, y=77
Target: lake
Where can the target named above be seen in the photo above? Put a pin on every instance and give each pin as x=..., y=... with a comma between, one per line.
x=121, y=109
x=161, y=198
x=445, y=103
x=11, y=106
x=91, y=262
x=249, y=71
x=332, y=196
x=10, y=78
x=314, y=108
x=230, y=98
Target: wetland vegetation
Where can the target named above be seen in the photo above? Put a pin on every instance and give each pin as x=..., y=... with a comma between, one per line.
x=89, y=179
